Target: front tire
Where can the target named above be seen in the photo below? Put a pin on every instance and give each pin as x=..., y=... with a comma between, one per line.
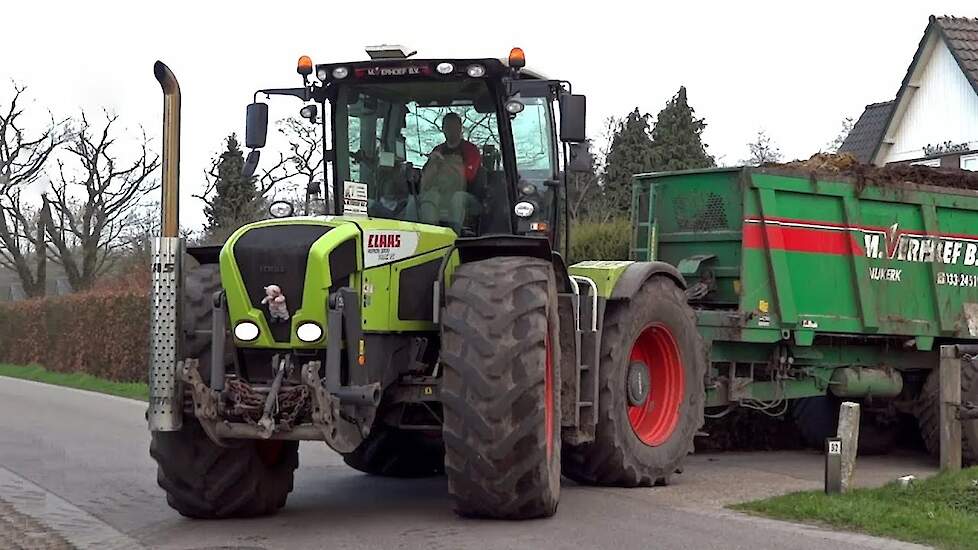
x=500, y=391
x=644, y=434
x=205, y=481
x=201, y=479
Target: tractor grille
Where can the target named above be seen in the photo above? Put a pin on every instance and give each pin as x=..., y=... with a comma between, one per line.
x=276, y=255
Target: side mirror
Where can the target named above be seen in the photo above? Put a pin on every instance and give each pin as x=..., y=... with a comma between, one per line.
x=573, y=109
x=256, y=125
x=580, y=160
x=250, y=164
x=310, y=112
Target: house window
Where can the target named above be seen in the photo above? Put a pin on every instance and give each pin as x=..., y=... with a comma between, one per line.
x=969, y=162
x=933, y=163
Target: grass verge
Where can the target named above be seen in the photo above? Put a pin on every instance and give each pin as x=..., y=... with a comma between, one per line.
x=941, y=511
x=132, y=390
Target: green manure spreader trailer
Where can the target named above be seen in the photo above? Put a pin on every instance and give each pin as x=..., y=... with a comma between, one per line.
x=815, y=287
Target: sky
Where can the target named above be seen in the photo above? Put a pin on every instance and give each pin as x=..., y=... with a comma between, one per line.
x=792, y=69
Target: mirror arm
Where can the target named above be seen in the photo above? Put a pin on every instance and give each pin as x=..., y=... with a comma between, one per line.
x=302, y=93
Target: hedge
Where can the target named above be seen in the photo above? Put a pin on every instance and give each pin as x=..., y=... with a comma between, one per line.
x=600, y=241
x=104, y=333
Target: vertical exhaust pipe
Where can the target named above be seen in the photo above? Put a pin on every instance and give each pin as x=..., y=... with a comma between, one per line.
x=165, y=395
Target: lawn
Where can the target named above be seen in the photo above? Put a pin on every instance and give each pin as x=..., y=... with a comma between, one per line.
x=133, y=390
x=941, y=511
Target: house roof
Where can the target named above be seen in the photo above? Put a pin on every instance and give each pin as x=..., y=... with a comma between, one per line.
x=960, y=35
x=868, y=131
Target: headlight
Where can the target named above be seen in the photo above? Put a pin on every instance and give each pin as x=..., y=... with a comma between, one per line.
x=280, y=209
x=445, y=68
x=475, y=71
x=246, y=331
x=309, y=332
x=524, y=209
x=339, y=73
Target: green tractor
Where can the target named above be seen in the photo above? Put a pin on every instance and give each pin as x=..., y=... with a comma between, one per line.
x=426, y=323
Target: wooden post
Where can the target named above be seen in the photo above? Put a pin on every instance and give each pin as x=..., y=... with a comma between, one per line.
x=950, y=402
x=848, y=433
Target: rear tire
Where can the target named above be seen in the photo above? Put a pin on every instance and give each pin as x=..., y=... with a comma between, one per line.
x=929, y=413
x=202, y=479
x=500, y=391
x=645, y=444
x=817, y=418
x=391, y=452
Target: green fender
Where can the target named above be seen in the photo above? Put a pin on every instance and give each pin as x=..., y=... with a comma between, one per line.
x=620, y=280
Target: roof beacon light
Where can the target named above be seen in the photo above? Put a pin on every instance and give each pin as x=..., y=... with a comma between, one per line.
x=304, y=66
x=389, y=51
x=517, y=59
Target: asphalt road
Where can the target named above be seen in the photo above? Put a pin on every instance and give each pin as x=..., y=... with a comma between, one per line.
x=78, y=464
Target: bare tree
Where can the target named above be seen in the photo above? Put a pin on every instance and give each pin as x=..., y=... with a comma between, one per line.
x=93, y=199
x=23, y=157
x=762, y=150
x=307, y=164
x=844, y=129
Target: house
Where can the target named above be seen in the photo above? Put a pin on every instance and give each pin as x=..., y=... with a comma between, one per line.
x=933, y=120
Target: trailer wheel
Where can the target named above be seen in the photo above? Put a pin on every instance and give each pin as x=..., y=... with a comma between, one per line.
x=929, y=413
x=653, y=362
x=205, y=481
x=500, y=391
x=391, y=452
x=817, y=418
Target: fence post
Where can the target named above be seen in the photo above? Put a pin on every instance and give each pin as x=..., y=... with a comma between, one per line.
x=950, y=401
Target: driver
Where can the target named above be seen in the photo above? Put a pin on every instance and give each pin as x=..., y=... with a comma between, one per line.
x=447, y=176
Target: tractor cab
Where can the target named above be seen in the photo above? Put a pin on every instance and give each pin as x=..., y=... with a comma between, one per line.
x=468, y=144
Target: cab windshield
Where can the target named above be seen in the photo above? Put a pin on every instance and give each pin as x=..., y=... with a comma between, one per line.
x=430, y=152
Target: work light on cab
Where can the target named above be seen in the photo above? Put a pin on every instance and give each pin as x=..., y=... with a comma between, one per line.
x=445, y=68
x=339, y=73
x=280, y=209
x=475, y=71
x=304, y=66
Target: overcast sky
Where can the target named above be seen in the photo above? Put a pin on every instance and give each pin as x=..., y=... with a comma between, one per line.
x=793, y=69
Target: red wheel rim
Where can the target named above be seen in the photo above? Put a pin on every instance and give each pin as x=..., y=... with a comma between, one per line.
x=548, y=398
x=656, y=418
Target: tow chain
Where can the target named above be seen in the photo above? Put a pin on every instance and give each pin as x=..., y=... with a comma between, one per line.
x=249, y=404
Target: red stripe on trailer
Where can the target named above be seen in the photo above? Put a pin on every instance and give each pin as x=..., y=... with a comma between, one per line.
x=799, y=239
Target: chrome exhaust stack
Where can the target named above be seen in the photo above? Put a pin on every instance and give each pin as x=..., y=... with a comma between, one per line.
x=165, y=396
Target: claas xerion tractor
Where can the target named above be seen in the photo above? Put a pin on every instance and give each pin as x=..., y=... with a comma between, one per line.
x=425, y=323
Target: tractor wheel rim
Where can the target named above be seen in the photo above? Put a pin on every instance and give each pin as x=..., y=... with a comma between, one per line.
x=654, y=420
x=548, y=398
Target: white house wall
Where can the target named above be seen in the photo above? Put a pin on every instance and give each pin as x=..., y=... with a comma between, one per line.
x=943, y=108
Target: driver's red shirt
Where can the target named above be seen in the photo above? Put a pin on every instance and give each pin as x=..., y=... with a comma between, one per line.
x=471, y=158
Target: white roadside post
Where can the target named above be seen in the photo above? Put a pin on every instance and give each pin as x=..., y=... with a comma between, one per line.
x=848, y=435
